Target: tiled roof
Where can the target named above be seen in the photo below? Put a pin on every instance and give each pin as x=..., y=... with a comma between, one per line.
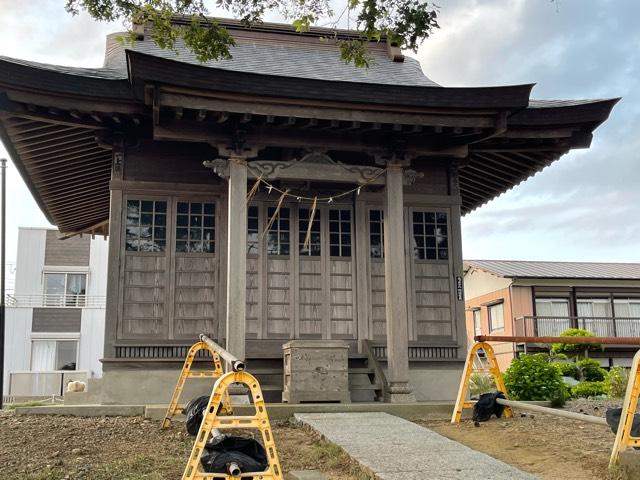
x=531, y=269
x=286, y=59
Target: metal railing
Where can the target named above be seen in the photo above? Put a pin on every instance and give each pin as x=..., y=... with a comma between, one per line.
x=540, y=326
x=56, y=301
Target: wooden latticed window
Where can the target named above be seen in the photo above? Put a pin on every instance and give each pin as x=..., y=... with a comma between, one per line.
x=314, y=247
x=146, y=226
x=252, y=231
x=376, y=233
x=340, y=233
x=278, y=242
x=195, y=227
x=430, y=236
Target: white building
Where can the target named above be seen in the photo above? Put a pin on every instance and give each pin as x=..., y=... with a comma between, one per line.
x=55, y=316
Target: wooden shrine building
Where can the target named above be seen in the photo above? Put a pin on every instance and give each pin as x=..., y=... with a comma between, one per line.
x=160, y=152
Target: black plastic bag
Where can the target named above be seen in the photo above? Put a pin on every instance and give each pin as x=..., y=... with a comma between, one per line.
x=194, y=412
x=247, y=453
x=487, y=406
x=613, y=420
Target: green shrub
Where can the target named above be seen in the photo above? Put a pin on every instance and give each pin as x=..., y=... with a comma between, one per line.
x=589, y=389
x=558, y=356
x=575, y=350
x=591, y=371
x=616, y=381
x=480, y=383
x=532, y=377
x=568, y=369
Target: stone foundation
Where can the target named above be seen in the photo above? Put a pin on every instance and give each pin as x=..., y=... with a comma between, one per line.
x=435, y=381
x=145, y=387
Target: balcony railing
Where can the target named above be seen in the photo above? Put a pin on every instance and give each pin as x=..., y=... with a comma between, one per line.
x=600, y=326
x=56, y=301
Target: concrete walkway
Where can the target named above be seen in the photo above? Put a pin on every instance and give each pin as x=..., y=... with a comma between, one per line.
x=396, y=449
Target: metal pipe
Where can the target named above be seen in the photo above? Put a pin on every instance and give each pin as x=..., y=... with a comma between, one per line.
x=571, y=340
x=233, y=469
x=236, y=364
x=553, y=411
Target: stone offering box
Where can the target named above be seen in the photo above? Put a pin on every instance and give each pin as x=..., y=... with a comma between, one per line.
x=316, y=371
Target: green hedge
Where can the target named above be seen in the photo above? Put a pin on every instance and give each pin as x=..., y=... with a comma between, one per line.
x=591, y=371
x=568, y=369
x=574, y=350
x=532, y=377
x=616, y=382
x=589, y=389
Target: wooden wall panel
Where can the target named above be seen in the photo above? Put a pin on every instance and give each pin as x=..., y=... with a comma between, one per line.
x=278, y=292
x=169, y=162
x=342, y=296
x=310, y=297
x=434, y=180
x=378, y=300
x=195, y=296
x=144, y=318
x=432, y=297
x=253, y=312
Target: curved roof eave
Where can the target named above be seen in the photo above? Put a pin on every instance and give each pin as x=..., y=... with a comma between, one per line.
x=87, y=82
x=559, y=112
x=144, y=67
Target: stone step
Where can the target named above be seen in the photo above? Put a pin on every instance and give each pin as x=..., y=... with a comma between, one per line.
x=271, y=388
x=361, y=371
x=371, y=386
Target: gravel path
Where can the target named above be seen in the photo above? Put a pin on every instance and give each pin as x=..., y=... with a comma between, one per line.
x=394, y=449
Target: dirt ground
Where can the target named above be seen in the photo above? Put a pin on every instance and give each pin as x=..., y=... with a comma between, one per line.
x=55, y=447
x=61, y=448
x=549, y=447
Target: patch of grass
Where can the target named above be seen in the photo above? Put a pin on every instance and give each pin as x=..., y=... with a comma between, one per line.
x=332, y=457
x=31, y=403
x=481, y=383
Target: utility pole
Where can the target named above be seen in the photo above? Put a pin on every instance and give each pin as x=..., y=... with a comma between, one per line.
x=3, y=217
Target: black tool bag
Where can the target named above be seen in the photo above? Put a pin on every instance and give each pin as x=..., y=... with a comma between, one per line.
x=487, y=406
x=194, y=411
x=613, y=420
x=247, y=453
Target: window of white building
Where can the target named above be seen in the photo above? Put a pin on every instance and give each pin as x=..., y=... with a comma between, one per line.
x=65, y=289
x=49, y=354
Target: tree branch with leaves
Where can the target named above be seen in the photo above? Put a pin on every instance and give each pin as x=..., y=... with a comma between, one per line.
x=403, y=23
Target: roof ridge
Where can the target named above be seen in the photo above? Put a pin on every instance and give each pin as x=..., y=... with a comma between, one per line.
x=554, y=261
x=278, y=27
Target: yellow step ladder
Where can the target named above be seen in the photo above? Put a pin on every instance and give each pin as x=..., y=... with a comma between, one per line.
x=212, y=420
x=186, y=372
x=470, y=368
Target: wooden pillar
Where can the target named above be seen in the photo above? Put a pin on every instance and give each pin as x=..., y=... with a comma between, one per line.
x=398, y=388
x=116, y=232
x=236, y=257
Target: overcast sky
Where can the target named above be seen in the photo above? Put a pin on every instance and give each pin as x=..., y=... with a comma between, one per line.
x=583, y=207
